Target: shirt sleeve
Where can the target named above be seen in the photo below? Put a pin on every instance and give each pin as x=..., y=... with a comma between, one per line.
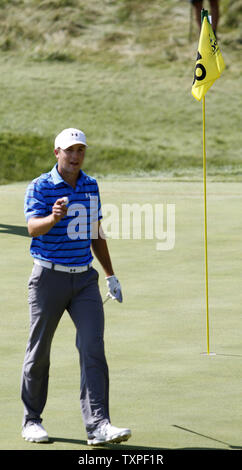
x=34, y=202
x=99, y=205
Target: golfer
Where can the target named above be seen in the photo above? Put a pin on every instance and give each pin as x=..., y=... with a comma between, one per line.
x=63, y=213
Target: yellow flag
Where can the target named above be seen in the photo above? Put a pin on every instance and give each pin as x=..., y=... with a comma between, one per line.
x=210, y=63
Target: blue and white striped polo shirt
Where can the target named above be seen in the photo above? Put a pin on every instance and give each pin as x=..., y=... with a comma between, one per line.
x=69, y=241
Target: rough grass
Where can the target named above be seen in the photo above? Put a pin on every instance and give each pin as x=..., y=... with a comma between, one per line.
x=121, y=71
x=128, y=29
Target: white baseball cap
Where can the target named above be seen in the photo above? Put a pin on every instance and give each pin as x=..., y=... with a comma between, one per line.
x=69, y=137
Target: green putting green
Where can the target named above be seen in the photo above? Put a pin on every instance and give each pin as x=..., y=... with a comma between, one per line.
x=163, y=385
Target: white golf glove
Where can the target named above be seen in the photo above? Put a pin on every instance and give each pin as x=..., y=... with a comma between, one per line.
x=114, y=288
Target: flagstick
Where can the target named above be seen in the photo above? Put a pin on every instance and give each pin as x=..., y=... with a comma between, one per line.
x=205, y=221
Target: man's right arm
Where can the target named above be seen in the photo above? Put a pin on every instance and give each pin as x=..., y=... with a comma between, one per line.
x=41, y=225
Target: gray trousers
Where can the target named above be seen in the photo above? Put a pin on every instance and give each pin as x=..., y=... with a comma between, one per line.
x=50, y=294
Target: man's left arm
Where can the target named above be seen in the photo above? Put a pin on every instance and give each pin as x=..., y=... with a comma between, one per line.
x=100, y=250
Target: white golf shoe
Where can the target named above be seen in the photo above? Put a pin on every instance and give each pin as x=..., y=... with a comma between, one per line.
x=34, y=432
x=106, y=433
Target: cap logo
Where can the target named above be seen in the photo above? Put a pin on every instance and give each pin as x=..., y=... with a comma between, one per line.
x=74, y=134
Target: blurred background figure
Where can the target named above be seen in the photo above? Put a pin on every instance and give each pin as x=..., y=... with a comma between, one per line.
x=214, y=12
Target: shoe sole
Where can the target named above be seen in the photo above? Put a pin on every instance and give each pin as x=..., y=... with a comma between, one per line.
x=114, y=440
x=37, y=440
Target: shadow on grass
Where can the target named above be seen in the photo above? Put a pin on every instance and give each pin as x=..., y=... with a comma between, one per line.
x=105, y=446
x=14, y=230
x=131, y=447
x=230, y=446
x=227, y=355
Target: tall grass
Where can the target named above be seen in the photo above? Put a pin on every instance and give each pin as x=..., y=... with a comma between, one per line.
x=76, y=28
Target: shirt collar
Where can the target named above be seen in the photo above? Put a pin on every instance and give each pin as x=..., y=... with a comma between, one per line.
x=57, y=178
